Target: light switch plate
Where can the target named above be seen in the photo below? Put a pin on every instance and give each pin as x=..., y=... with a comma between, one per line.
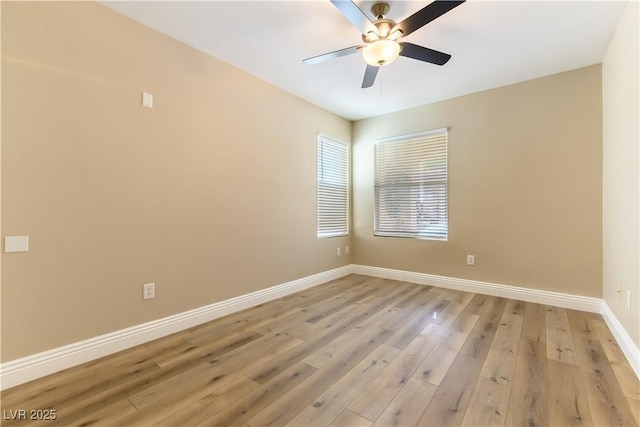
x=147, y=100
x=16, y=244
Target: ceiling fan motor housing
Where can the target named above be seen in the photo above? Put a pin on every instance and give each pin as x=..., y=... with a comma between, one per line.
x=379, y=10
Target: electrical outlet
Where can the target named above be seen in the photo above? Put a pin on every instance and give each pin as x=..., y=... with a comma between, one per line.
x=149, y=291
x=629, y=300
x=471, y=260
x=619, y=291
x=346, y=249
x=147, y=100
x=338, y=251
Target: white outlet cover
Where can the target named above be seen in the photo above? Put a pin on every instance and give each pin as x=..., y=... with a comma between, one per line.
x=148, y=291
x=147, y=100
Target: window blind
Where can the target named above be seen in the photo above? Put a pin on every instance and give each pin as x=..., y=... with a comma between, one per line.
x=411, y=186
x=333, y=187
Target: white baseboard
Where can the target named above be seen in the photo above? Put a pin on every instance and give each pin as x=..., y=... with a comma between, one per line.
x=28, y=368
x=575, y=302
x=628, y=347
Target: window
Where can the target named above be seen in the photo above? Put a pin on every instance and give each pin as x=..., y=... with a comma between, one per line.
x=411, y=186
x=333, y=187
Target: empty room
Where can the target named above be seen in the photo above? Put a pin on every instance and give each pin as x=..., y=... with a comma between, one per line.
x=320, y=213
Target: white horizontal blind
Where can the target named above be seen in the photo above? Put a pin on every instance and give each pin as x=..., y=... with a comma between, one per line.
x=333, y=187
x=411, y=186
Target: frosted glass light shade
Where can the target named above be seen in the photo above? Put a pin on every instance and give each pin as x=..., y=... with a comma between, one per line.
x=381, y=52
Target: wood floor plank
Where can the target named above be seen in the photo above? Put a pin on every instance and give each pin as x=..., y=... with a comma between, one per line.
x=106, y=415
x=434, y=368
x=247, y=406
x=477, y=304
x=436, y=365
x=326, y=353
x=488, y=404
x=423, y=315
x=318, y=294
x=312, y=343
x=191, y=415
x=337, y=303
x=82, y=383
x=180, y=349
x=393, y=317
x=94, y=394
x=304, y=329
x=415, y=302
x=559, y=340
x=412, y=305
x=408, y=405
x=381, y=391
x=458, y=302
x=528, y=400
x=402, y=317
x=216, y=371
x=160, y=413
x=397, y=287
x=324, y=332
x=481, y=337
x=449, y=404
x=501, y=358
x=332, y=402
x=515, y=307
x=398, y=292
x=568, y=405
x=287, y=407
x=242, y=321
x=253, y=318
x=282, y=323
x=347, y=418
x=634, y=405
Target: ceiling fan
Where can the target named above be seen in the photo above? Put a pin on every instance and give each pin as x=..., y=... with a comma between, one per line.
x=381, y=36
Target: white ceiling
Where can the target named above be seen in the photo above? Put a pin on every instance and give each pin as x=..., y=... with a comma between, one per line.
x=492, y=43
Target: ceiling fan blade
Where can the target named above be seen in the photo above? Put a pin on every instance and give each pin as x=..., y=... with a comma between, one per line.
x=426, y=15
x=331, y=55
x=369, y=76
x=356, y=16
x=425, y=54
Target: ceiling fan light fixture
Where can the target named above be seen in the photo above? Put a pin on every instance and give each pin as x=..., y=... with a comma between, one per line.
x=381, y=52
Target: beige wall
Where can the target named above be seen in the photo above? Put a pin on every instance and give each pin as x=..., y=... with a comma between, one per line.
x=211, y=194
x=525, y=179
x=621, y=172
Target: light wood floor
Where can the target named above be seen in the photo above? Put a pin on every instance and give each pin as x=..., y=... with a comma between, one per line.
x=353, y=352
